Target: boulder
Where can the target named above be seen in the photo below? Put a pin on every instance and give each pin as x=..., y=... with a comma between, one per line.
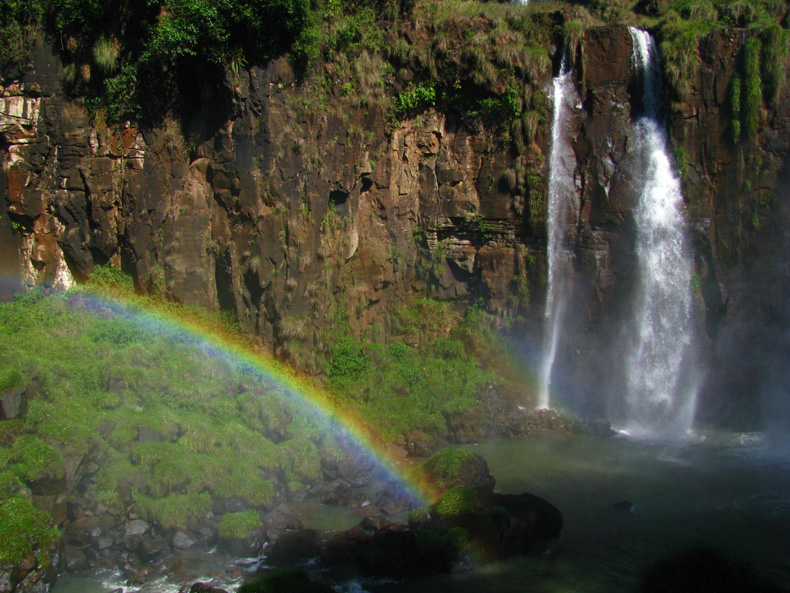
x=534, y=526
x=13, y=404
x=456, y=467
x=183, y=541
x=135, y=527
x=203, y=588
x=295, y=546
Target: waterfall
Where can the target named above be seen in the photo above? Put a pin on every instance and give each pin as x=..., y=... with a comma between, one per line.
x=561, y=191
x=660, y=392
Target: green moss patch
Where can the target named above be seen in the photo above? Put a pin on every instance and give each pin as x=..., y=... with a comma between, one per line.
x=457, y=501
x=23, y=530
x=172, y=428
x=444, y=468
x=239, y=525
x=11, y=379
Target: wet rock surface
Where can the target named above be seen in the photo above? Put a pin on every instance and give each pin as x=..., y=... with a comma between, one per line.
x=207, y=224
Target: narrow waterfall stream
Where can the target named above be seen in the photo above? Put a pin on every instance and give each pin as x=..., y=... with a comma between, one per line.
x=561, y=188
x=660, y=391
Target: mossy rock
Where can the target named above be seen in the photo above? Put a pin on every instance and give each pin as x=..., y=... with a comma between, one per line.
x=24, y=530
x=456, y=502
x=492, y=517
x=239, y=525
x=285, y=579
x=457, y=467
x=418, y=518
x=29, y=456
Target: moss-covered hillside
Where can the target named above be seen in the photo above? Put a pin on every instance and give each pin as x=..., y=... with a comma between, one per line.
x=175, y=430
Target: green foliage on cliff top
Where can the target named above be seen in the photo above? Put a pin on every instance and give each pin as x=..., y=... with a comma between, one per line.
x=480, y=61
x=19, y=20
x=683, y=22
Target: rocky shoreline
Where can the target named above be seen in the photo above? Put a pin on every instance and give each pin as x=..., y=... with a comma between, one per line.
x=96, y=537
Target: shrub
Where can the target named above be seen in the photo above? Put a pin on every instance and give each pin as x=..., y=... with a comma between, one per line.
x=775, y=41
x=174, y=510
x=418, y=518
x=348, y=359
x=458, y=537
x=680, y=53
x=429, y=541
x=414, y=100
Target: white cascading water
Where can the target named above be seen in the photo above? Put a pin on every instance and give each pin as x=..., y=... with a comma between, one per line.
x=660, y=391
x=561, y=191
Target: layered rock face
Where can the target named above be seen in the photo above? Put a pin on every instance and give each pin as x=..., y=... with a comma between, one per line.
x=292, y=214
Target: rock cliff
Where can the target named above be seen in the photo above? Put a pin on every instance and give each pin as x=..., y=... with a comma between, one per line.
x=294, y=211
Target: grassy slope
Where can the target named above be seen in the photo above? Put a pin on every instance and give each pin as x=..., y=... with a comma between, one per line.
x=101, y=383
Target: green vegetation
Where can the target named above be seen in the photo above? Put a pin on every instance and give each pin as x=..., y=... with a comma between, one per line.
x=11, y=379
x=680, y=25
x=734, y=96
x=239, y=525
x=25, y=530
x=458, y=500
x=483, y=64
x=775, y=45
x=482, y=232
x=434, y=364
x=444, y=467
x=414, y=100
x=175, y=429
x=752, y=100
x=18, y=22
x=117, y=52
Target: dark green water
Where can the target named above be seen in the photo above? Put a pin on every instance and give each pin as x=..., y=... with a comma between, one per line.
x=727, y=490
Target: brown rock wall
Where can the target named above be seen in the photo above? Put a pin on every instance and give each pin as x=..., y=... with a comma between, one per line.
x=293, y=205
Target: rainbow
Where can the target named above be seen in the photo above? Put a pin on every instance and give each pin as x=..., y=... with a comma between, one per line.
x=348, y=424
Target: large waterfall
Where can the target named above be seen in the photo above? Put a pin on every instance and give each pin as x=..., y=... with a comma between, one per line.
x=660, y=389
x=561, y=192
